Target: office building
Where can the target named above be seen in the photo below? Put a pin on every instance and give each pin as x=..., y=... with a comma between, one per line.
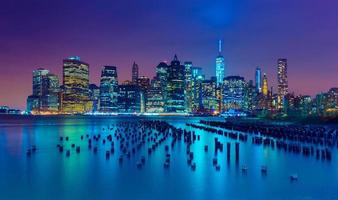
x=282, y=79
x=109, y=90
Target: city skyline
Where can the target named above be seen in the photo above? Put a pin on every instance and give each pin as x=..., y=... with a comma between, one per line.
x=176, y=88
x=272, y=84
x=36, y=36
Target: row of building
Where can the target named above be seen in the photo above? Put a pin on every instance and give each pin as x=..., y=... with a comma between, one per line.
x=176, y=88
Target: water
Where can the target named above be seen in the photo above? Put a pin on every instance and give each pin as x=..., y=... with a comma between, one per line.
x=50, y=175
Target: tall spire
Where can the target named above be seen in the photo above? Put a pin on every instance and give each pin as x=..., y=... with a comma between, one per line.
x=175, y=58
x=219, y=47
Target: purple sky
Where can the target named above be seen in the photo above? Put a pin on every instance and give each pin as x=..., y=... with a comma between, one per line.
x=40, y=33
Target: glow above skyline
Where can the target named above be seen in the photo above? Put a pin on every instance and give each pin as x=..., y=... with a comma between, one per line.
x=43, y=33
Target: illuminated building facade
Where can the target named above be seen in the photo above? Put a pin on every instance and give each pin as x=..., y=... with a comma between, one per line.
x=134, y=75
x=155, y=100
x=250, y=97
x=76, y=86
x=188, y=86
x=50, y=93
x=162, y=76
x=329, y=103
x=94, y=96
x=109, y=90
x=45, y=95
x=38, y=76
x=175, y=88
x=282, y=79
x=143, y=83
x=197, y=78
x=208, y=94
x=265, y=88
x=220, y=65
x=129, y=99
x=234, y=91
x=258, y=78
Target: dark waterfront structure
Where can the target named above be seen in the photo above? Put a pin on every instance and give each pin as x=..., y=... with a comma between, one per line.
x=109, y=90
x=175, y=100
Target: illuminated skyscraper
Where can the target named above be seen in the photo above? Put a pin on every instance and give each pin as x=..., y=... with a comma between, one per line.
x=197, y=78
x=220, y=66
x=129, y=99
x=175, y=87
x=134, y=73
x=188, y=86
x=94, y=95
x=258, y=78
x=155, y=101
x=109, y=90
x=265, y=85
x=250, y=96
x=143, y=83
x=76, y=86
x=162, y=77
x=38, y=76
x=234, y=93
x=45, y=96
x=208, y=94
x=282, y=81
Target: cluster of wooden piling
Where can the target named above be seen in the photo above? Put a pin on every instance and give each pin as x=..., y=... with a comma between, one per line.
x=141, y=139
x=293, y=139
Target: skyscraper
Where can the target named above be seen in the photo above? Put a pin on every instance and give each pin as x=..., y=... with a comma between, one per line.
x=45, y=95
x=208, y=94
x=129, y=99
x=234, y=93
x=76, y=86
x=188, y=86
x=265, y=85
x=220, y=66
x=175, y=87
x=143, y=83
x=282, y=82
x=108, y=90
x=162, y=77
x=94, y=95
x=134, y=73
x=197, y=78
x=155, y=101
x=38, y=76
x=258, y=78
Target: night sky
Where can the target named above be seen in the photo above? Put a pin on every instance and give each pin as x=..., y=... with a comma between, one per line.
x=40, y=33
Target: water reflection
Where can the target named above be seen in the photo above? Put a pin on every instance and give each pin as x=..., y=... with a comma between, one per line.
x=87, y=175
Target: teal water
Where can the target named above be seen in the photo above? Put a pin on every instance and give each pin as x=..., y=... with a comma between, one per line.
x=50, y=175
